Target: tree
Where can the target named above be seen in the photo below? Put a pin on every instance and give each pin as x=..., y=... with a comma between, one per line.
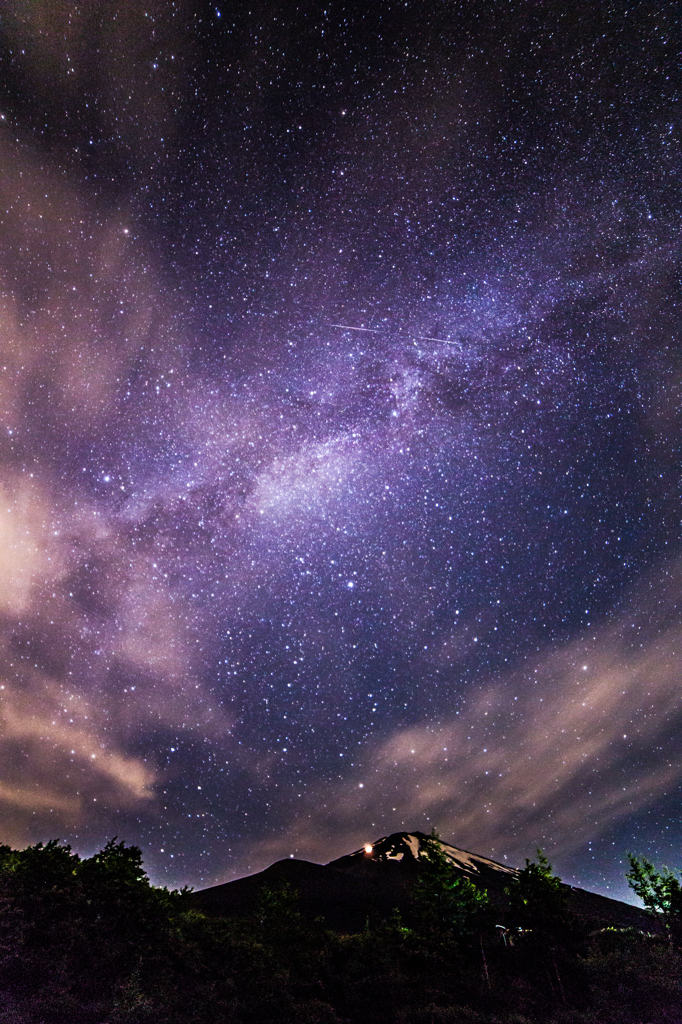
x=660, y=892
x=538, y=900
x=538, y=908
x=78, y=928
x=446, y=899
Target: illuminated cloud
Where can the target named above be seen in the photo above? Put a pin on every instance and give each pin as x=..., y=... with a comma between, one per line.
x=59, y=759
x=30, y=557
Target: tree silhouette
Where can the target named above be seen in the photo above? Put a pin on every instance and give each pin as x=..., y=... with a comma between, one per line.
x=445, y=898
x=538, y=900
x=660, y=892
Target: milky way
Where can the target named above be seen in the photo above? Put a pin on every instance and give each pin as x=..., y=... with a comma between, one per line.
x=339, y=443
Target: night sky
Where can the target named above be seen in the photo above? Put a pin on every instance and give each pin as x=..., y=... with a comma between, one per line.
x=340, y=430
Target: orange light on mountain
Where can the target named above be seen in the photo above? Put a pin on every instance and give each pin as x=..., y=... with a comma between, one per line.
x=368, y=847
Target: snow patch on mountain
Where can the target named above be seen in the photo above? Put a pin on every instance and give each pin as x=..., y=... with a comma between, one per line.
x=406, y=846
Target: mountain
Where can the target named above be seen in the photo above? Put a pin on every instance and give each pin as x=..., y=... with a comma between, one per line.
x=368, y=884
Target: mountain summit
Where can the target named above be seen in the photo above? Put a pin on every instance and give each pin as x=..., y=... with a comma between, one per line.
x=404, y=848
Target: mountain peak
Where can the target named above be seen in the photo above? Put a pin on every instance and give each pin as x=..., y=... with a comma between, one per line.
x=405, y=847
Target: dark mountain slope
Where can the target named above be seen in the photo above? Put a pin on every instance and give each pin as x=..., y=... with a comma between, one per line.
x=344, y=902
x=370, y=883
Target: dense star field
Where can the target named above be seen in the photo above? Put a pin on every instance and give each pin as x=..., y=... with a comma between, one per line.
x=340, y=433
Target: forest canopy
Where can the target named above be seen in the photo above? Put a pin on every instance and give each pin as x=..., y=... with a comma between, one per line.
x=85, y=940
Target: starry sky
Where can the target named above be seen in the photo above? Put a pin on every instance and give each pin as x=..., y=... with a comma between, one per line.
x=340, y=430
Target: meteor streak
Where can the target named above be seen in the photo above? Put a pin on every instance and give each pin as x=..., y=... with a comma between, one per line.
x=417, y=337
x=346, y=327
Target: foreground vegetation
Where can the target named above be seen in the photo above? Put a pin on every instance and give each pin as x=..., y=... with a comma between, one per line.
x=92, y=942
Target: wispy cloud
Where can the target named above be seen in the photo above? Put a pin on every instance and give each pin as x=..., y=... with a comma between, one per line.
x=555, y=753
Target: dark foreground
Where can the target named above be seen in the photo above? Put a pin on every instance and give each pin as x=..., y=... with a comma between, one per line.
x=91, y=941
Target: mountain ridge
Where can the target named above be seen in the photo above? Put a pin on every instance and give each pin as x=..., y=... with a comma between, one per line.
x=371, y=882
